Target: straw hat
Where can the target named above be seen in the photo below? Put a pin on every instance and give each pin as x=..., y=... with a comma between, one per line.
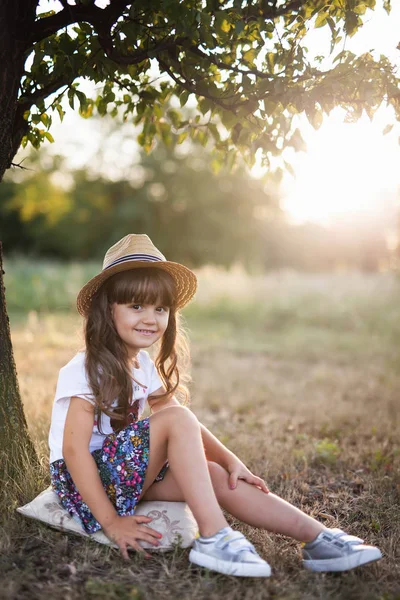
x=132, y=252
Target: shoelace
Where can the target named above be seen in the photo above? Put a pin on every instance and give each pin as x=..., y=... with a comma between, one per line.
x=244, y=544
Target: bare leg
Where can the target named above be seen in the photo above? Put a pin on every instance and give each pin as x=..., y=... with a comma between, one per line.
x=172, y=432
x=249, y=504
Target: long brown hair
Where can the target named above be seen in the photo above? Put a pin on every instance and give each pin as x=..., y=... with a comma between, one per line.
x=107, y=366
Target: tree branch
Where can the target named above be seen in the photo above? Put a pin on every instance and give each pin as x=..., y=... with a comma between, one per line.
x=137, y=57
x=20, y=166
x=219, y=63
x=192, y=89
x=271, y=12
x=100, y=18
x=26, y=101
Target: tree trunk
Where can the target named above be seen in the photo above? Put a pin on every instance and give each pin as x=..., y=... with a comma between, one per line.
x=16, y=448
x=17, y=18
x=17, y=452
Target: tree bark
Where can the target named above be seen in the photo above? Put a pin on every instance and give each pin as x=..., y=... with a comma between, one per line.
x=17, y=452
x=17, y=18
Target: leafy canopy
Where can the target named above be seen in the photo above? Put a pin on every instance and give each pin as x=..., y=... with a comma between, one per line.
x=245, y=62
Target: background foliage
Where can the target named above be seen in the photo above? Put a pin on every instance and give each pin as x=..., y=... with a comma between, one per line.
x=197, y=216
x=246, y=64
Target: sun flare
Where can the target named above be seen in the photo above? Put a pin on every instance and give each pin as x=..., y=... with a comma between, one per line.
x=347, y=169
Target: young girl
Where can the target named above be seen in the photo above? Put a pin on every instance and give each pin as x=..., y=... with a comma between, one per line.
x=104, y=459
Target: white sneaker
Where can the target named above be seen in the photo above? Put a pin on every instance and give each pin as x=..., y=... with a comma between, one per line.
x=229, y=552
x=335, y=550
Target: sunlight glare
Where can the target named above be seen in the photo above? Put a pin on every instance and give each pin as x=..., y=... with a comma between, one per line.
x=348, y=168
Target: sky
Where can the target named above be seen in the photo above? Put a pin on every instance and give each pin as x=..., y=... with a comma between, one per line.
x=347, y=168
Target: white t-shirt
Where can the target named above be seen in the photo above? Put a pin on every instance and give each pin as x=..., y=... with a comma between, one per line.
x=72, y=381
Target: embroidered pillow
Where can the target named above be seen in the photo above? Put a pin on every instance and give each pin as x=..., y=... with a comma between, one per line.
x=173, y=520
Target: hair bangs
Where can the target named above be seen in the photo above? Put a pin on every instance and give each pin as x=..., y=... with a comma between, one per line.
x=142, y=286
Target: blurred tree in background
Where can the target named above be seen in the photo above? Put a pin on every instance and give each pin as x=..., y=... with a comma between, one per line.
x=197, y=216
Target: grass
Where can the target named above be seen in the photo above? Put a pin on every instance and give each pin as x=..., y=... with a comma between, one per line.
x=298, y=375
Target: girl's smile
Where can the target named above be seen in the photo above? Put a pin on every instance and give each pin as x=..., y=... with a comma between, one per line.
x=140, y=325
x=145, y=331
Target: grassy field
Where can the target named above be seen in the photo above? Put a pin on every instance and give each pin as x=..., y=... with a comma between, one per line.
x=297, y=374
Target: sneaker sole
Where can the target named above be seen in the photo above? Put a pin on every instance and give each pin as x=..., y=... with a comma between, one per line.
x=344, y=563
x=229, y=568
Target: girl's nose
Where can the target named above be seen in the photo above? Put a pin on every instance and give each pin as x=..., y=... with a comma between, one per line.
x=149, y=316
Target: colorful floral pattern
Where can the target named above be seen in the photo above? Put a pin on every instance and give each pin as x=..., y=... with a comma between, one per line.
x=122, y=463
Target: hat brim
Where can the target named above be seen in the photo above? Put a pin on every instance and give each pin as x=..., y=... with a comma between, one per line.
x=185, y=280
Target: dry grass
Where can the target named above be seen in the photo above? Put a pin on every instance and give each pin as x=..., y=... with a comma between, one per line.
x=300, y=380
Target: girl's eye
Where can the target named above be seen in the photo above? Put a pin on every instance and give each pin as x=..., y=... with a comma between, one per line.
x=136, y=306
x=162, y=309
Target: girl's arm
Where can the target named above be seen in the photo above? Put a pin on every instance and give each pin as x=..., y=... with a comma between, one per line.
x=125, y=531
x=81, y=464
x=217, y=452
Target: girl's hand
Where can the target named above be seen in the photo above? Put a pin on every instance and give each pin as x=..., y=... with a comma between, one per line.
x=237, y=470
x=126, y=531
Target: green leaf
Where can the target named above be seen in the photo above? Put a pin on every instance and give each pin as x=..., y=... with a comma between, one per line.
x=239, y=27
x=290, y=169
x=271, y=61
x=352, y=23
x=60, y=111
x=387, y=129
x=360, y=9
x=101, y=106
x=71, y=93
x=46, y=14
x=48, y=135
x=221, y=23
x=174, y=117
x=249, y=55
x=205, y=105
x=86, y=110
x=183, y=98
x=231, y=159
x=46, y=120
x=202, y=137
x=214, y=131
x=315, y=117
x=321, y=19
x=216, y=165
x=182, y=137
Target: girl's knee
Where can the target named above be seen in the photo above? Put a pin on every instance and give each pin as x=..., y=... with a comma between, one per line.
x=178, y=415
x=219, y=475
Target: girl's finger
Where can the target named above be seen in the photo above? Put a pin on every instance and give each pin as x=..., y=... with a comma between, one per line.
x=149, y=531
x=253, y=480
x=142, y=519
x=263, y=485
x=233, y=477
x=124, y=551
x=136, y=546
x=145, y=537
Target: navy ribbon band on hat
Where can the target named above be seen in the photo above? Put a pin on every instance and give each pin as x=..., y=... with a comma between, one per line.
x=139, y=257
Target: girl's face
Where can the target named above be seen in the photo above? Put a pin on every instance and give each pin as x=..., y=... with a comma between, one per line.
x=139, y=325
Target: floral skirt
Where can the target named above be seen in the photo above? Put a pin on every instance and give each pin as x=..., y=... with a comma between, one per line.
x=122, y=463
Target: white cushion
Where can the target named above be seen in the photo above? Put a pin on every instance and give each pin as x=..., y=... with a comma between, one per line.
x=173, y=520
